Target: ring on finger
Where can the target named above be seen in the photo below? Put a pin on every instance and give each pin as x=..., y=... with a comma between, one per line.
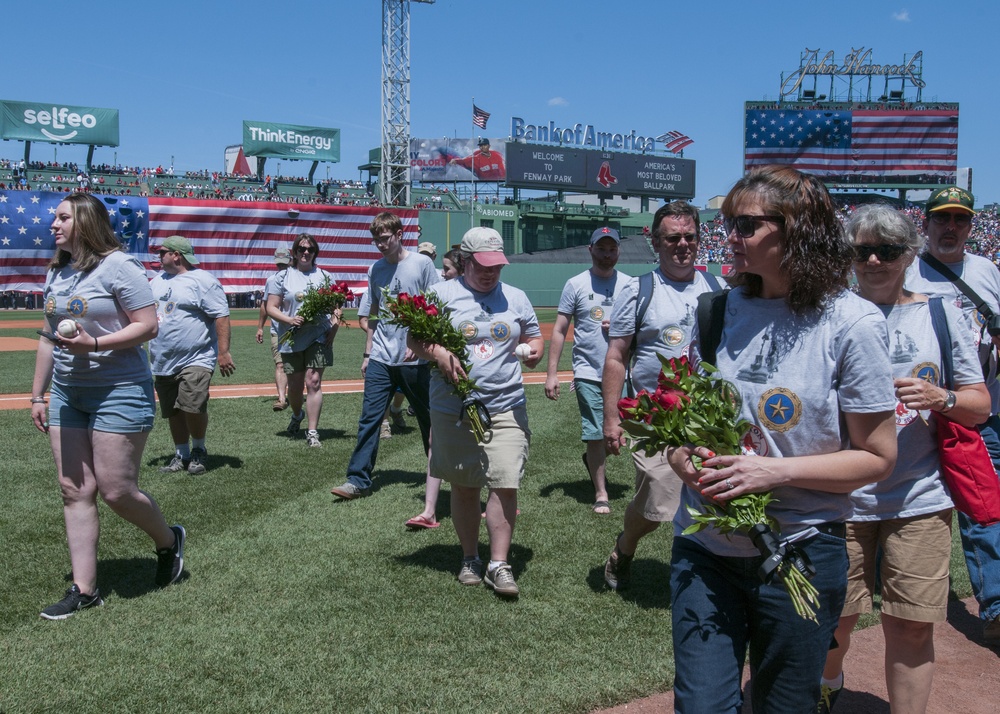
x=729, y=485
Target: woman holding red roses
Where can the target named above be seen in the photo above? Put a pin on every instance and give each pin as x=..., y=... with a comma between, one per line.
x=810, y=362
x=494, y=319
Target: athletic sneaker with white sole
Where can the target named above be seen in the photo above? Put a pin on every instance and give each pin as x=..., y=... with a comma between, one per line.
x=170, y=561
x=501, y=581
x=295, y=423
x=72, y=603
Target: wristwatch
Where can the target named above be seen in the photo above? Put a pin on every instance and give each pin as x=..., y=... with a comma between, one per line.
x=949, y=401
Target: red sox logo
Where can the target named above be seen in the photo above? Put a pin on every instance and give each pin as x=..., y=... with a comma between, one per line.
x=753, y=442
x=604, y=175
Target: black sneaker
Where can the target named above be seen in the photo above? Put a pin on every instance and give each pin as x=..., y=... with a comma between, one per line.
x=71, y=604
x=170, y=561
x=197, y=464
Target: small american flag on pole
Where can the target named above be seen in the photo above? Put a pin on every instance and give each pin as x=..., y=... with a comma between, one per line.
x=479, y=117
x=675, y=141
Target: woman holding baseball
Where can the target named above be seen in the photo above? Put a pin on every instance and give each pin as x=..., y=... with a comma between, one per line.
x=99, y=311
x=500, y=328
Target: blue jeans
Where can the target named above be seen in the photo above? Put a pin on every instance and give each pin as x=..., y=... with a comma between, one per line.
x=381, y=382
x=720, y=610
x=982, y=543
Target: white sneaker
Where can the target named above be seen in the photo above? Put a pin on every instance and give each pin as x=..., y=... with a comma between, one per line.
x=312, y=439
x=385, y=432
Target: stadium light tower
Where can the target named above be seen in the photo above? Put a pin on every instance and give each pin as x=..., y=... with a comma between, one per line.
x=396, y=101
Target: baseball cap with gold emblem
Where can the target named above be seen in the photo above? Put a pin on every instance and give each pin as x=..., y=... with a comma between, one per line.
x=950, y=197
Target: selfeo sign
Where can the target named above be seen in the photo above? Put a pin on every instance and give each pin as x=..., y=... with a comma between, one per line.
x=55, y=123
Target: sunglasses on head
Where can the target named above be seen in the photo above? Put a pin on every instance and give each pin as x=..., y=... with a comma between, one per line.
x=747, y=225
x=884, y=252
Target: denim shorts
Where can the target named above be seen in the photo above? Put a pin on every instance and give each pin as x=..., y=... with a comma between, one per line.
x=116, y=408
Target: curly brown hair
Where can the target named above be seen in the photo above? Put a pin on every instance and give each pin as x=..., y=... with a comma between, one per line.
x=816, y=256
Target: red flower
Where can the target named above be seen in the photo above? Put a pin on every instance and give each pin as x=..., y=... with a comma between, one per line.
x=669, y=399
x=431, y=310
x=420, y=302
x=627, y=407
x=404, y=299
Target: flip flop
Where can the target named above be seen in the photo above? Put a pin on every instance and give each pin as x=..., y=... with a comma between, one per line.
x=601, y=504
x=418, y=522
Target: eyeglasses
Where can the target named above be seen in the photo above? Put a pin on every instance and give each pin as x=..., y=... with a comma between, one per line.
x=382, y=240
x=301, y=249
x=884, y=252
x=746, y=226
x=676, y=237
x=942, y=219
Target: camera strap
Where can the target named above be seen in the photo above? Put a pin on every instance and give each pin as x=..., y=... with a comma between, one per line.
x=947, y=272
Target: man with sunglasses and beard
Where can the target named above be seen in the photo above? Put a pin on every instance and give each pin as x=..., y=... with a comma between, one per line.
x=948, y=223
x=667, y=328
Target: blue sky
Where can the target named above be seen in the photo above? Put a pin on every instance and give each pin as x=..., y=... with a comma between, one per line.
x=184, y=74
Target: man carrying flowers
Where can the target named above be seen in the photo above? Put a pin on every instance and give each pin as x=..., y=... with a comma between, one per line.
x=388, y=363
x=499, y=326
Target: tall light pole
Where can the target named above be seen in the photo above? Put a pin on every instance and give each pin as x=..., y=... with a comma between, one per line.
x=396, y=101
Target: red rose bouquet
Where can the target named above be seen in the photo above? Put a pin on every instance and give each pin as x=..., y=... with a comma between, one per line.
x=703, y=409
x=318, y=302
x=426, y=317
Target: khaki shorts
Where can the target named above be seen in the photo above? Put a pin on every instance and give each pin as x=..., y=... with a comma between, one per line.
x=315, y=356
x=186, y=391
x=274, y=350
x=459, y=460
x=914, y=567
x=657, y=487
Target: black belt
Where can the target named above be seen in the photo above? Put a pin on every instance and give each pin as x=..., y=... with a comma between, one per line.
x=834, y=528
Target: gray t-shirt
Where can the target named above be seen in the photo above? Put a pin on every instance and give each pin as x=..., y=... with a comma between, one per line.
x=98, y=300
x=291, y=286
x=492, y=323
x=983, y=277
x=914, y=488
x=269, y=286
x=797, y=376
x=588, y=299
x=187, y=306
x=669, y=324
x=414, y=274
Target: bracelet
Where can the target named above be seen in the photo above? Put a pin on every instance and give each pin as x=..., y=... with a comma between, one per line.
x=38, y=400
x=366, y=355
x=95, y=344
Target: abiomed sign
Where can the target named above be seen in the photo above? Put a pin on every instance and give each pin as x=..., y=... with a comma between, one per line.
x=289, y=141
x=54, y=123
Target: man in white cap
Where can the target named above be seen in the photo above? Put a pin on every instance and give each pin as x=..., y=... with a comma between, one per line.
x=194, y=332
x=282, y=257
x=587, y=300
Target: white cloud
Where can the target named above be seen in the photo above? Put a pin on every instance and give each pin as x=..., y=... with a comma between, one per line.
x=901, y=16
x=558, y=102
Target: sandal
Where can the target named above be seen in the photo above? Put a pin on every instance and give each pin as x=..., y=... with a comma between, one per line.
x=601, y=508
x=279, y=406
x=420, y=522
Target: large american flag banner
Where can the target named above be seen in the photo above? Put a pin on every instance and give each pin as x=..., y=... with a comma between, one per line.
x=837, y=142
x=234, y=240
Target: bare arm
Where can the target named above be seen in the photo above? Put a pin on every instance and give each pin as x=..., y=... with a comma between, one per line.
x=537, y=345
x=870, y=458
x=972, y=401
x=261, y=318
x=611, y=391
x=556, y=342
x=40, y=383
x=223, y=331
x=448, y=364
x=275, y=313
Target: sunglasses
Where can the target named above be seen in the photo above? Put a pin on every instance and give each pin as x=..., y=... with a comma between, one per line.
x=746, y=226
x=676, y=237
x=163, y=252
x=300, y=249
x=943, y=219
x=884, y=252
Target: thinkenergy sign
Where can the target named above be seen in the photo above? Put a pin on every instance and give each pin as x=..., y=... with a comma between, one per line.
x=289, y=141
x=54, y=123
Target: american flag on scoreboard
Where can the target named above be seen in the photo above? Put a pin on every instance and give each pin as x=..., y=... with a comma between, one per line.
x=479, y=117
x=838, y=142
x=234, y=240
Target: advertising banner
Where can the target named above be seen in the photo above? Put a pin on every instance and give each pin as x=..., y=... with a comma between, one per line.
x=290, y=141
x=551, y=168
x=54, y=123
x=446, y=159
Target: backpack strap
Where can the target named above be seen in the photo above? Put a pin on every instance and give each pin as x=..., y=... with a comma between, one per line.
x=711, y=314
x=940, y=324
x=647, y=281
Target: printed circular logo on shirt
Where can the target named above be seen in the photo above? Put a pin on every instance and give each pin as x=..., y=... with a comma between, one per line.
x=169, y=308
x=50, y=306
x=927, y=371
x=77, y=306
x=597, y=314
x=299, y=296
x=753, y=442
x=779, y=409
x=904, y=415
x=500, y=331
x=468, y=329
x=483, y=349
x=673, y=335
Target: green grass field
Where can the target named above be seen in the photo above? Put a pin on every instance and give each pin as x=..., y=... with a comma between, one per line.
x=296, y=603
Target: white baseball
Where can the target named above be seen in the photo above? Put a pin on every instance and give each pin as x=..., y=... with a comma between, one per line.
x=523, y=351
x=67, y=328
